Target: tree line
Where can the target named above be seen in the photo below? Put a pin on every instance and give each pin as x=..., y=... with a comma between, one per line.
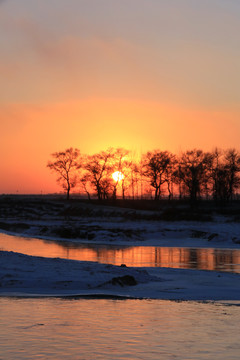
x=156, y=174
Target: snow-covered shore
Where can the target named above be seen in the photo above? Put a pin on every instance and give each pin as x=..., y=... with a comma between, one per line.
x=91, y=223
x=217, y=234
x=22, y=275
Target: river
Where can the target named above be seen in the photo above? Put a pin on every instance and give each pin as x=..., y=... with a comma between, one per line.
x=175, y=257
x=109, y=329
x=117, y=329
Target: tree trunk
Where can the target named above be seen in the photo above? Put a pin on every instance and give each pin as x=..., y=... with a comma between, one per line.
x=123, y=192
x=68, y=192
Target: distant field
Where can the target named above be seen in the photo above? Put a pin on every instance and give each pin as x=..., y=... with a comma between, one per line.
x=18, y=205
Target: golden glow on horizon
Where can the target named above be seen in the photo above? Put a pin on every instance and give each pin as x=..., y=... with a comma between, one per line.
x=95, y=83
x=141, y=126
x=117, y=176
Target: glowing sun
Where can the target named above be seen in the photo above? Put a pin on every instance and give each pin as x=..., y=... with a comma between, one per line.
x=117, y=176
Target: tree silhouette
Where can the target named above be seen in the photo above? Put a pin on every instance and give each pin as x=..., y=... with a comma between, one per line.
x=193, y=173
x=232, y=166
x=120, y=163
x=194, y=165
x=225, y=174
x=99, y=168
x=156, y=169
x=65, y=164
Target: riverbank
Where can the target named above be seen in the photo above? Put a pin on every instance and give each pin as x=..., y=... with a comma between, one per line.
x=141, y=223
x=30, y=276
x=91, y=223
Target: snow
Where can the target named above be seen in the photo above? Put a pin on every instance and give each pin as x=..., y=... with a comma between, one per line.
x=91, y=223
x=22, y=275
x=217, y=234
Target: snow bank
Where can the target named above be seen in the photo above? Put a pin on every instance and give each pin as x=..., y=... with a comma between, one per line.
x=78, y=221
x=22, y=275
x=195, y=234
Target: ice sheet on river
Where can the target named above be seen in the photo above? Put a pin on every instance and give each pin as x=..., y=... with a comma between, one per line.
x=22, y=275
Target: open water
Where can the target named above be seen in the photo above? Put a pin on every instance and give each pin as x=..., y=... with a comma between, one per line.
x=174, y=257
x=117, y=329
x=109, y=329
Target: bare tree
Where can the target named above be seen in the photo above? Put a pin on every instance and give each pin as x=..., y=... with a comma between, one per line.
x=156, y=169
x=121, y=164
x=84, y=182
x=232, y=166
x=133, y=177
x=65, y=164
x=193, y=173
x=170, y=174
x=216, y=173
x=225, y=174
x=99, y=168
x=193, y=167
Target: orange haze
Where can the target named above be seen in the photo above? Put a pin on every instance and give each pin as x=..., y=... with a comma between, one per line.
x=30, y=133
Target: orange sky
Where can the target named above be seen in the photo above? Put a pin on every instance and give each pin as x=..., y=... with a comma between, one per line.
x=136, y=74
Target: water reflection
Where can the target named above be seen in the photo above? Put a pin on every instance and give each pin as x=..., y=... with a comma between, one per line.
x=206, y=259
x=112, y=329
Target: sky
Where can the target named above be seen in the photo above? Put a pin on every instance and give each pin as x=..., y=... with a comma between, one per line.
x=94, y=74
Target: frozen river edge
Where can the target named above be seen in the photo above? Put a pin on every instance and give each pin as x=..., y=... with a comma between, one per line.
x=23, y=275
